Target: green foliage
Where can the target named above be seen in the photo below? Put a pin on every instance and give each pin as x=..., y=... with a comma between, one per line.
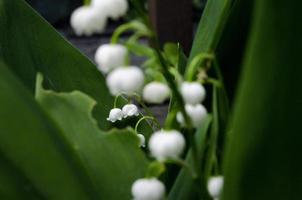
x=54, y=149
x=263, y=159
x=29, y=45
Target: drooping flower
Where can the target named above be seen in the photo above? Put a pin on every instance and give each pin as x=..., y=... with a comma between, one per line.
x=197, y=114
x=192, y=92
x=86, y=20
x=115, y=115
x=156, y=92
x=166, y=144
x=215, y=186
x=127, y=80
x=110, y=56
x=142, y=140
x=130, y=110
x=114, y=8
x=148, y=189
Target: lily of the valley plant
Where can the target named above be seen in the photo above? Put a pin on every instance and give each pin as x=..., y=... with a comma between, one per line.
x=70, y=129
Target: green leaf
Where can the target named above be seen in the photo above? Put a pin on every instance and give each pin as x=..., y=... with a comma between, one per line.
x=35, y=147
x=209, y=32
x=210, y=27
x=29, y=45
x=109, y=159
x=185, y=187
x=59, y=149
x=13, y=184
x=263, y=158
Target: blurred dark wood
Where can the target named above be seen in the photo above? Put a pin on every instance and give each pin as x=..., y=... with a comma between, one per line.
x=172, y=20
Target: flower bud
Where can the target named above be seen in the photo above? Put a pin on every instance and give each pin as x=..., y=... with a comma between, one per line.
x=148, y=189
x=127, y=80
x=192, y=92
x=166, y=145
x=113, y=8
x=197, y=114
x=215, y=186
x=130, y=110
x=110, y=56
x=156, y=92
x=142, y=140
x=115, y=114
x=86, y=20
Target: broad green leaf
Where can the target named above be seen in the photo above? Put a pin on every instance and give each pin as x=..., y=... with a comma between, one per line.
x=210, y=26
x=185, y=187
x=110, y=159
x=35, y=147
x=28, y=44
x=59, y=149
x=209, y=31
x=263, y=158
x=13, y=185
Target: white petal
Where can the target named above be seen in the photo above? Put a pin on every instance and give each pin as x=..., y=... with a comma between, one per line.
x=166, y=144
x=125, y=80
x=197, y=114
x=110, y=56
x=192, y=92
x=142, y=140
x=85, y=21
x=156, y=92
x=115, y=115
x=130, y=110
x=215, y=186
x=148, y=189
x=114, y=8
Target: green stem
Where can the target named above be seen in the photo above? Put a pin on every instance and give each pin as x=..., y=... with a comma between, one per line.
x=86, y=2
x=137, y=26
x=196, y=64
x=140, y=120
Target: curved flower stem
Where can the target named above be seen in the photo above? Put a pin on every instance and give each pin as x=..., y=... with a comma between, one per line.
x=141, y=119
x=148, y=111
x=195, y=64
x=131, y=26
x=116, y=98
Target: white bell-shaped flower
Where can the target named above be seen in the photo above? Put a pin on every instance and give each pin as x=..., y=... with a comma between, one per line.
x=127, y=80
x=114, y=8
x=156, y=92
x=166, y=145
x=148, y=189
x=142, y=140
x=197, y=114
x=86, y=20
x=110, y=56
x=215, y=186
x=192, y=92
x=115, y=115
x=130, y=110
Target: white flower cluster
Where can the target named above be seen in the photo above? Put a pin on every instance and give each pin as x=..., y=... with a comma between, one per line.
x=128, y=110
x=193, y=94
x=163, y=145
x=117, y=114
x=87, y=20
x=215, y=186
